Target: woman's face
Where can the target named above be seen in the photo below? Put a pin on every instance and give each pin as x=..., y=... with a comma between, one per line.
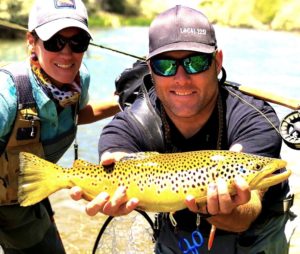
x=62, y=66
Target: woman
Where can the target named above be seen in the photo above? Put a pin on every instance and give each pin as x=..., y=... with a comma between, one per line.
x=58, y=83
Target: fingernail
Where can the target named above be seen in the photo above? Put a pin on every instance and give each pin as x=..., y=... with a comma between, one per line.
x=134, y=201
x=221, y=181
x=122, y=190
x=239, y=180
x=189, y=197
x=212, y=187
x=104, y=196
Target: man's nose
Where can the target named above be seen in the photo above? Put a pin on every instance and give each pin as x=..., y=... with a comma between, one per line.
x=181, y=74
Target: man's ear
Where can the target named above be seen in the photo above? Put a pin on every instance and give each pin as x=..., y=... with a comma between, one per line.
x=149, y=66
x=219, y=60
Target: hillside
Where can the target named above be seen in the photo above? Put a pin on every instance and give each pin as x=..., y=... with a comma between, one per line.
x=258, y=14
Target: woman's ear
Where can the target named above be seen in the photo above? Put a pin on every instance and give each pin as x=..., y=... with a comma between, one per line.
x=219, y=60
x=31, y=39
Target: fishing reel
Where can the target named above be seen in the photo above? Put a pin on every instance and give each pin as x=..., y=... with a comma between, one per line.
x=290, y=130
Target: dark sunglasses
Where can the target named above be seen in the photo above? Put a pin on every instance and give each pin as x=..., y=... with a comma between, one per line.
x=167, y=67
x=78, y=43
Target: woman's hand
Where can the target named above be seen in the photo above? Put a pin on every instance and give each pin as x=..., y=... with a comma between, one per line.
x=116, y=205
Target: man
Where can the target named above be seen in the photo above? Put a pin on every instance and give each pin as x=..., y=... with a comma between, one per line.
x=196, y=112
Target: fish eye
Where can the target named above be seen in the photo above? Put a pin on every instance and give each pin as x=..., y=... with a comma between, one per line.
x=258, y=167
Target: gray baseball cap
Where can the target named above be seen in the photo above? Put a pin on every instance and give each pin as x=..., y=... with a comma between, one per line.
x=181, y=28
x=47, y=17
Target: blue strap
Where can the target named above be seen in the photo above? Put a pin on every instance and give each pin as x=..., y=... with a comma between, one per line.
x=20, y=76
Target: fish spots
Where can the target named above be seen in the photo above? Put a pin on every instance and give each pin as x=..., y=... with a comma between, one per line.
x=162, y=178
x=242, y=170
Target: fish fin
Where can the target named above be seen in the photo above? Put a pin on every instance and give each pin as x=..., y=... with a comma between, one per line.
x=37, y=179
x=139, y=156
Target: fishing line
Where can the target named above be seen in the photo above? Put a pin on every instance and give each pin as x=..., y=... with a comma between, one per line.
x=117, y=51
x=110, y=218
x=12, y=25
x=252, y=106
x=282, y=133
x=126, y=234
x=20, y=27
x=236, y=86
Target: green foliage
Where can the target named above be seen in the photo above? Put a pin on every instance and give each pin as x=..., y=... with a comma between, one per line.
x=266, y=10
x=125, y=7
x=12, y=13
x=104, y=19
x=14, y=8
x=116, y=6
x=259, y=14
x=288, y=17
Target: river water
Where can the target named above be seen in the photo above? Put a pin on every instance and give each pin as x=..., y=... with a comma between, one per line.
x=263, y=59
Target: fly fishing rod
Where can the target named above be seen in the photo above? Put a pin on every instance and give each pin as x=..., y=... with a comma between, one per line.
x=258, y=93
x=117, y=51
x=289, y=128
x=16, y=26
x=290, y=125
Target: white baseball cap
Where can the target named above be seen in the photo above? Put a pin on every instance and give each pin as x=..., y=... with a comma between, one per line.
x=47, y=17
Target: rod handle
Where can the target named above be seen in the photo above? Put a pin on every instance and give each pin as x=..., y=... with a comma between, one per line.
x=271, y=97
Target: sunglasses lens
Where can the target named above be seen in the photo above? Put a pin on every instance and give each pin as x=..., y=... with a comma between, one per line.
x=164, y=67
x=192, y=65
x=55, y=44
x=197, y=64
x=78, y=43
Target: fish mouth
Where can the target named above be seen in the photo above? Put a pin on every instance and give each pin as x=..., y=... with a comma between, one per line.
x=266, y=178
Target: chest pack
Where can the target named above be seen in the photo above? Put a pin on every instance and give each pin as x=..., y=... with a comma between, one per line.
x=24, y=136
x=133, y=86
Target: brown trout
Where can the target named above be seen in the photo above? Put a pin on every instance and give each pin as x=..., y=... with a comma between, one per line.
x=161, y=182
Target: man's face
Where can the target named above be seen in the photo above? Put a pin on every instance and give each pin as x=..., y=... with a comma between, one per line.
x=188, y=95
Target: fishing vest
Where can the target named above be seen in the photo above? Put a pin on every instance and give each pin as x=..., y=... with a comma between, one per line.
x=25, y=136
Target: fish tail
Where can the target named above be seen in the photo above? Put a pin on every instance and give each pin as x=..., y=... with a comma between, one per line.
x=37, y=180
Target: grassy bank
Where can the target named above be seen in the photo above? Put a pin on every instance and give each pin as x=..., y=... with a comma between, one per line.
x=105, y=19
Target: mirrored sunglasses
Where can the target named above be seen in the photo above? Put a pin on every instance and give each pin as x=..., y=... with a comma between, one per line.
x=78, y=43
x=194, y=64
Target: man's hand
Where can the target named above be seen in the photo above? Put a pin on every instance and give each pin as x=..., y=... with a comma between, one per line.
x=219, y=201
x=116, y=205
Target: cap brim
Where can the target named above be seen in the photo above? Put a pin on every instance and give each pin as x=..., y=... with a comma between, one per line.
x=46, y=31
x=185, y=46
